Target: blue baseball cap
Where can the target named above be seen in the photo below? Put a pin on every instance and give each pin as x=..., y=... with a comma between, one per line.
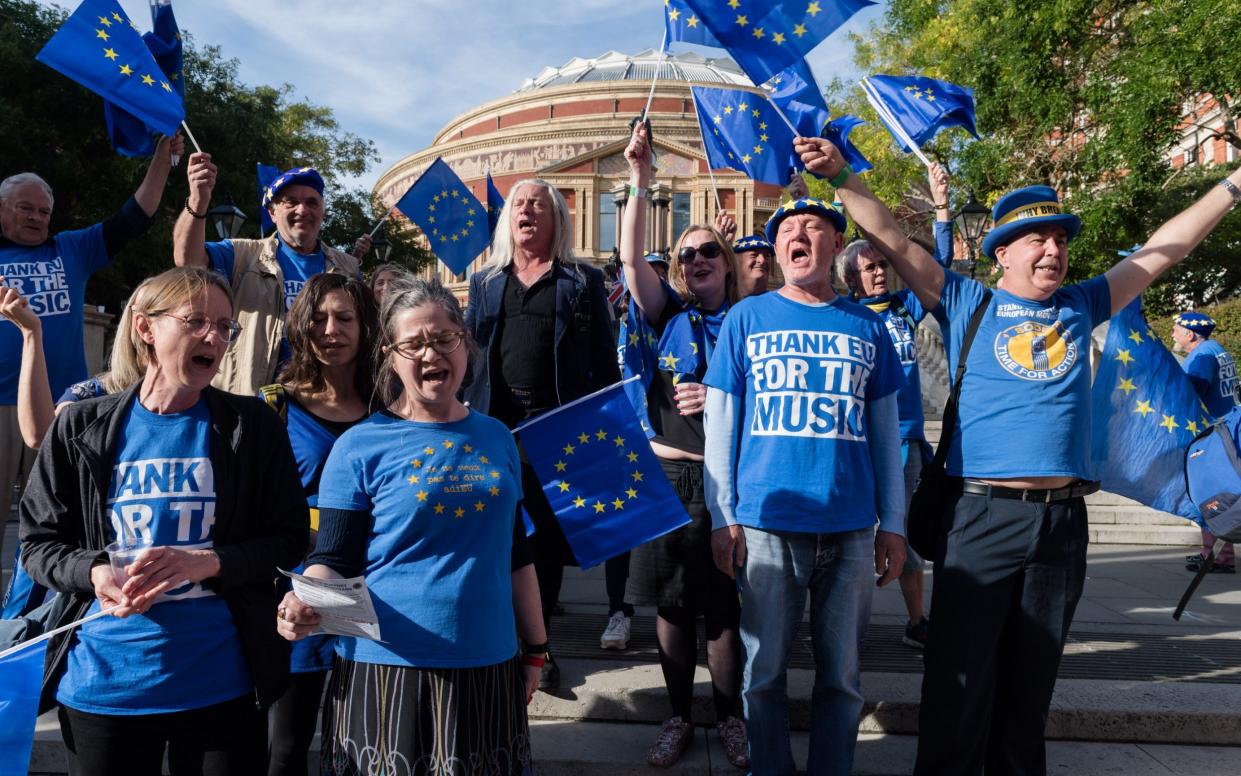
x=1198, y=323
x=753, y=242
x=803, y=205
x=301, y=176
x=1026, y=209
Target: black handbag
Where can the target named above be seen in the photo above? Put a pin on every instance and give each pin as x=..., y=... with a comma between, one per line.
x=936, y=490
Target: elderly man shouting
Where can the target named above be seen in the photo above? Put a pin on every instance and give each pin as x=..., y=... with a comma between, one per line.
x=803, y=451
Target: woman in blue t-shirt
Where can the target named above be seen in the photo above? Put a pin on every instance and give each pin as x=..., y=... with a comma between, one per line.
x=325, y=388
x=200, y=488
x=675, y=572
x=421, y=499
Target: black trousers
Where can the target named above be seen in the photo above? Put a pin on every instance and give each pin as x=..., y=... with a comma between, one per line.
x=227, y=739
x=1008, y=576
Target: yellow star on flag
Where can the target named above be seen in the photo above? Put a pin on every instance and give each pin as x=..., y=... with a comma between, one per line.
x=126, y=70
x=619, y=440
x=495, y=475
x=458, y=512
x=110, y=53
x=692, y=21
x=633, y=338
x=813, y=9
x=417, y=464
x=1169, y=422
x=674, y=14
x=618, y=504
x=746, y=158
x=1127, y=386
x=468, y=448
x=1133, y=335
x=728, y=109
x=742, y=20
x=601, y=435
x=148, y=80
x=102, y=35
x=755, y=113
x=569, y=448
x=637, y=476
x=429, y=450
x=413, y=480
x=579, y=502
x=799, y=30
x=668, y=362
x=494, y=490
x=564, y=486
x=1191, y=427
x=631, y=493
x=734, y=4
x=632, y=456
x=1144, y=408
x=758, y=33
x=164, y=84
x=1123, y=356
x=583, y=437
x=479, y=506
x=778, y=38
x=422, y=495
x=105, y=21
x=439, y=509
x=483, y=459
x=560, y=466
x=117, y=16
x=599, y=507
x=448, y=443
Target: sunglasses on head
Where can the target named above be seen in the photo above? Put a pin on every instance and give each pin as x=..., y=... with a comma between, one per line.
x=709, y=250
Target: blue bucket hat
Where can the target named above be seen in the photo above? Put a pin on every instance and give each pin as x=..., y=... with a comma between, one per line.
x=753, y=242
x=1198, y=323
x=656, y=258
x=804, y=205
x=303, y=176
x=1022, y=210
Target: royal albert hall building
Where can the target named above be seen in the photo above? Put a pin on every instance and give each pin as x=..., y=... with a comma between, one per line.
x=570, y=125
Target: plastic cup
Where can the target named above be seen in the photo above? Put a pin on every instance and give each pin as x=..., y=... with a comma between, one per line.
x=121, y=555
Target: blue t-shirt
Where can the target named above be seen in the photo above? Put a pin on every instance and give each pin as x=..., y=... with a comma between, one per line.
x=903, y=329
x=296, y=267
x=52, y=276
x=804, y=374
x=1214, y=375
x=442, y=499
x=1025, y=398
x=184, y=653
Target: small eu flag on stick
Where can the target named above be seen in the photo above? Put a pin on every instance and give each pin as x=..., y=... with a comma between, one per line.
x=602, y=480
x=451, y=217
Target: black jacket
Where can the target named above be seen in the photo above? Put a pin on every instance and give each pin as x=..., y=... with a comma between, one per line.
x=585, y=344
x=261, y=519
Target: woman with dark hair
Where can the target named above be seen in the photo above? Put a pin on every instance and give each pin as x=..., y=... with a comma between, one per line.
x=200, y=490
x=422, y=499
x=326, y=387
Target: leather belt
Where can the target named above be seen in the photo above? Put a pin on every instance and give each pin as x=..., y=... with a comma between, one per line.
x=1038, y=495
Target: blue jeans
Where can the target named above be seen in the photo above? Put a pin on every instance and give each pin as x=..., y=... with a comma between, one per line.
x=838, y=570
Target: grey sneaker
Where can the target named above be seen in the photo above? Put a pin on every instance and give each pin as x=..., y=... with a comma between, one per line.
x=736, y=743
x=674, y=738
x=616, y=635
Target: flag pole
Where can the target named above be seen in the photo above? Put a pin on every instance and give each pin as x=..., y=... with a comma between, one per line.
x=190, y=135
x=719, y=205
x=787, y=123
x=885, y=113
x=659, y=65
x=380, y=222
x=54, y=631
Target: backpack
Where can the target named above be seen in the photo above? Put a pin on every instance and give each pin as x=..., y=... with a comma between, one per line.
x=1213, y=481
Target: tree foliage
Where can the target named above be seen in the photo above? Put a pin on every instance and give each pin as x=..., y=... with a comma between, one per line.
x=1087, y=96
x=52, y=126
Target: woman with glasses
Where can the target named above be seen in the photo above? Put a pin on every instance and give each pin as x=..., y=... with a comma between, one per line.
x=325, y=389
x=421, y=499
x=200, y=490
x=675, y=572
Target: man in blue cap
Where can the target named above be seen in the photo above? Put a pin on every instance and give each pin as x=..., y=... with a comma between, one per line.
x=802, y=452
x=1011, y=562
x=754, y=257
x=266, y=275
x=1214, y=376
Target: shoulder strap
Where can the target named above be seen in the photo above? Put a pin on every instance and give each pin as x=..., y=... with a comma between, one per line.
x=950, y=407
x=276, y=399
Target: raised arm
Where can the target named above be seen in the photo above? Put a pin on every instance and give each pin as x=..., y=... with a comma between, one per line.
x=937, y=179
x=915, y=266
x=151, y=190
x=640, y=278
x=189, y=235
x=34, y=396
x=1170, y=243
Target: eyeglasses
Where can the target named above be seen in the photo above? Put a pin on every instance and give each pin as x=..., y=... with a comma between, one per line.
x=709, y=250
x=873, y=268
x=199, y=325
x=443, y=343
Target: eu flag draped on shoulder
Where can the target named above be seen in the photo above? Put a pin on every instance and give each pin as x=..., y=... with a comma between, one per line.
x=495, y=203
x=266, y=174
x=100, y=48
x=21, y=677
x=602, y=480
x=129, y=135
x=921, y=106
x=766, y=37
x=451, y=217
x=742, y=130
x=1144, y=414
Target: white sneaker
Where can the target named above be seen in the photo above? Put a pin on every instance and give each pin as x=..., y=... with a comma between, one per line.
x=616, y=635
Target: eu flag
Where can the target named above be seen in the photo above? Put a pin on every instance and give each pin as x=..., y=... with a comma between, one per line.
x=100, y=48
x=495, y=203
x=764, y=38
x=742, y=130
x=681, y=24
x=1144, y=414
x=796, y=93
x=266, y=174
x=602, y=480
x=450, y=216
x=21, y=676
x=128, y=134
x=923, y=106
x=837, y=131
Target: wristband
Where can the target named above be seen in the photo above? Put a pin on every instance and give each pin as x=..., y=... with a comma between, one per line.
x=636, y=191
x=839, y=178
x=190, y=210
x=533, y=660
x=1232, y=190
x=535, y=649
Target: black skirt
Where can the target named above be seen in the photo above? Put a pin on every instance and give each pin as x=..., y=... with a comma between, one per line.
x=676, y=569
x=381, y=720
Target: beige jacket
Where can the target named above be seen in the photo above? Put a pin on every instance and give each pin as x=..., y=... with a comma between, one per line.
x=258, y=304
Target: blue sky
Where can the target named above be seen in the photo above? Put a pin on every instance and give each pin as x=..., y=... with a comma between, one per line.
x=396, y=71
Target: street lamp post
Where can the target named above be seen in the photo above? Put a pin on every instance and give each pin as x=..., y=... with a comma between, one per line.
x=381, y=247
x=226, y=218
x=971, y=221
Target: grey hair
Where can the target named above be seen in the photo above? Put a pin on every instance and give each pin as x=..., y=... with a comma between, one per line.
x=502, y=243
x=847, y=261
x=406, y=292
x=13, y=181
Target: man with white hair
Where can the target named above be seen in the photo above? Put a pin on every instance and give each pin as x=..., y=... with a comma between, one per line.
x=51, y=272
